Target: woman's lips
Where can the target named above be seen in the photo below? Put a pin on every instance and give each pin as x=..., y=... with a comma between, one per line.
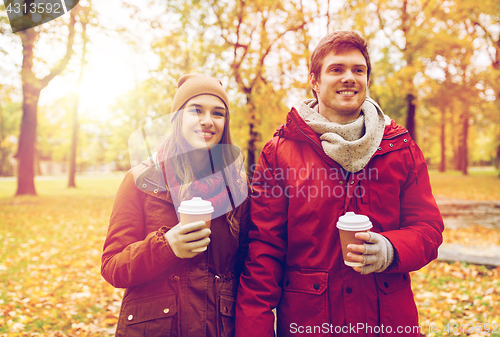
x=205, y=134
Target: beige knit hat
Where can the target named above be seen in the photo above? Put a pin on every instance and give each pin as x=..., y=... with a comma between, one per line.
x=196, y=84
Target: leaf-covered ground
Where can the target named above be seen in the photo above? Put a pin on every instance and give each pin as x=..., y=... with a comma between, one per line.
x=50, y=283
x=50, y=249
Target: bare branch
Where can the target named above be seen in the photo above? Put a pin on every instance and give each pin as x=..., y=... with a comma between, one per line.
x=69, y=50
x=268, y=49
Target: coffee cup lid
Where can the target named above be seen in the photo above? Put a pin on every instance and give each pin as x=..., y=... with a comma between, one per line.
x=354, y=222
x=196, y=206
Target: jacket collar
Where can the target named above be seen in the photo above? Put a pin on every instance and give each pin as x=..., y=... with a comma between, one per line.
x=148, y=177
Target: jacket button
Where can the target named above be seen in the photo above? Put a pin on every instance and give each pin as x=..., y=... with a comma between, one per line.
x=391, y=145
x=386, y=284
x=316, y=286
x=379, y=148
x=405, y=140
x=348, y=290
x=165, y=311
x=352, y=182
x=130, y=317
x=341, y=182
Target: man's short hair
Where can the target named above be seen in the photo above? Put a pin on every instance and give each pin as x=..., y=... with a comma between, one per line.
x=338, y=41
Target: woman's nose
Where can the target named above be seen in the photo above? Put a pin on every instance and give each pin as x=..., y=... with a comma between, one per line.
x=206, y=119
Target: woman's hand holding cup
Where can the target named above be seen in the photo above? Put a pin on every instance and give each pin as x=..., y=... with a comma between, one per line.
x=188, y=237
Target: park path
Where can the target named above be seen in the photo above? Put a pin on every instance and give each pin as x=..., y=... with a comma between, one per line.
x=464, y=213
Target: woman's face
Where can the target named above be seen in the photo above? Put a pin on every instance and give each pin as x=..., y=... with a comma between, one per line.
x=203, y=121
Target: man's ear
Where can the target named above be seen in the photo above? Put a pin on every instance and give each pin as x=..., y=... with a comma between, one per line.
x=313, y=82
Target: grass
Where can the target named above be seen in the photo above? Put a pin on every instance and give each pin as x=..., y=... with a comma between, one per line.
x=478, y=185
x=50, y=249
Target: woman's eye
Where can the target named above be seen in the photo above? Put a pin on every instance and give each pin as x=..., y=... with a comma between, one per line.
x=195, y=111
x=218, y=114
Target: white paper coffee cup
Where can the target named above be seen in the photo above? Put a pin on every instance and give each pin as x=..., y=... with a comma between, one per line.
x=193, y=210
x=349, y=224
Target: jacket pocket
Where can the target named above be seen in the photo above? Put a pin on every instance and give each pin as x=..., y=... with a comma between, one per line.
x=389, y=283
x=304, y=302
x=397, y=306
x=227, y=310
x=148, y=317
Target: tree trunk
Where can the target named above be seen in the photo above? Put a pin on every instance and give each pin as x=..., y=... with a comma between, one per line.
x=32, y=87
x=74, y=136
x=254, y=136
x=442, y=165
x=497, y=160
x=464, y=162
x=74, y=141
x=27, y=137
x=410, y=117
x=3, y=153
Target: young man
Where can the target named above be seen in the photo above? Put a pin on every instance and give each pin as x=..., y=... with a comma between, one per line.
x=337, y=153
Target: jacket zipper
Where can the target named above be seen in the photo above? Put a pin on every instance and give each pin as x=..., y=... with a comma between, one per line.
x=302, y=132
x=177, y=280
x=217, y=304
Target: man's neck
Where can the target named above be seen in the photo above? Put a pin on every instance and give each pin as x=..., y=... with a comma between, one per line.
x=337, y=117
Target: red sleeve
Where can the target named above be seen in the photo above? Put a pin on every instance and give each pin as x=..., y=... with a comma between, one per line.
x=130, y=256
x=260, y=291
x=421, y=225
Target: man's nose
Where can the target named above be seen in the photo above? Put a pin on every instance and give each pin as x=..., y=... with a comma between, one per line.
x=348, y=77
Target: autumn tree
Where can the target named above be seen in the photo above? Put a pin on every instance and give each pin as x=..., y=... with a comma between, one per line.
x=406, y=25
x=84, y=13
x=255, y=46
x=482, y=20
x=32, y=86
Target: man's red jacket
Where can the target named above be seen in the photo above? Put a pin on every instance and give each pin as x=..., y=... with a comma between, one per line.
x=295, y=261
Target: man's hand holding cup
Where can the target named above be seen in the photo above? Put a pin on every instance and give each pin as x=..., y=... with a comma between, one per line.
x=377, y=253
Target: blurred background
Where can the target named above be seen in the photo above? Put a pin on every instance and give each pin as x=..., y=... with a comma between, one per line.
x=74, y=89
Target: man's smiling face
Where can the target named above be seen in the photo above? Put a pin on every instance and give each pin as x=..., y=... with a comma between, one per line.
x=341, y=88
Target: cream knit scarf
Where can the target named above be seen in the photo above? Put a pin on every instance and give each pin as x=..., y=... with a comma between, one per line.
x=351, y=144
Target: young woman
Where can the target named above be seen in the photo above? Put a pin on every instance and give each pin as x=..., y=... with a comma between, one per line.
x=171, y=288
